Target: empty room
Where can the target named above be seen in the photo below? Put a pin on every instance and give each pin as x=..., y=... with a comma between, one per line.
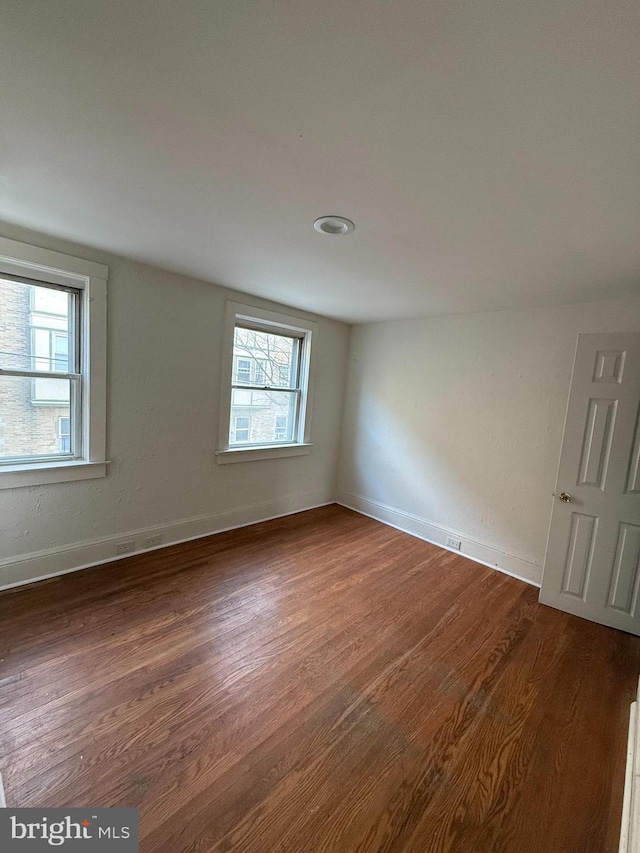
x=320, y=426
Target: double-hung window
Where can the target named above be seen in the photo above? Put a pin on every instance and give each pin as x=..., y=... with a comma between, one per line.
x=40, y=368
x=266, y=397
x=52, y=366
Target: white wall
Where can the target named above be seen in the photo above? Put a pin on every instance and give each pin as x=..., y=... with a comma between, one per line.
x=450, y=425
x=454, y=424
x=164, y=359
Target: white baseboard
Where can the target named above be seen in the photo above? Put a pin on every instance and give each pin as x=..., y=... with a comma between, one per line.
x=58, y=561
x=507, y=563
x=41, y=565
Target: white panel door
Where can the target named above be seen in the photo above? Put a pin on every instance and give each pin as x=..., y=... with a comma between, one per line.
x=592, y=565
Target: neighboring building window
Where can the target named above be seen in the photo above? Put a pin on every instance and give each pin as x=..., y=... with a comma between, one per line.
x=242, y=429
x=243, y=371
x=270, y=374
x=64, y=434
x=60, y=352
x=262, y=372
x=281, y=430
x=52, y=366
x=251, y=371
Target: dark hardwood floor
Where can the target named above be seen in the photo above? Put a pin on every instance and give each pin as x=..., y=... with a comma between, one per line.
x=316, y=683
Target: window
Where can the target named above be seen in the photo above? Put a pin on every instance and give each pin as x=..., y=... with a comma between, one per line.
x=41, y=373
x=264, y=352
x=52, y=366
x=243, y=371
x=281, y=430
x=60, y=352
x=265, y=407
x=242, y=429
x=262, y=373
x=64, y=435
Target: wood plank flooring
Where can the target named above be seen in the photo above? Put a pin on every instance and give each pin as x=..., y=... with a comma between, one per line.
x=316, y=683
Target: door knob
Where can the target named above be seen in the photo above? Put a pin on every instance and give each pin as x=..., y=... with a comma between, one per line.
x=565, y=497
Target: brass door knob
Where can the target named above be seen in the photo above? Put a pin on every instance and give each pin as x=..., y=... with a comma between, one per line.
x=565, y=497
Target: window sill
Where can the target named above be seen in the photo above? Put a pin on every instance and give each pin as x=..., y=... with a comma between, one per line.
x=38, y=474
x=252, y=454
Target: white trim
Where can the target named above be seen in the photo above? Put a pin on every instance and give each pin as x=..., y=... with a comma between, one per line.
x=486, y=555
x=90, y=278
x=308, y=329
x=3, y=800
x=17, y=571
x=43, y=473
x=629, y=780
x=94, y=355
x=44, y=261
x=247, y=454
x=630, y=822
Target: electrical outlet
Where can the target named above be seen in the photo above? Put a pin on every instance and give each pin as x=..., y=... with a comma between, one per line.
x=454, y=543
x=125, y=547
x=153, y=541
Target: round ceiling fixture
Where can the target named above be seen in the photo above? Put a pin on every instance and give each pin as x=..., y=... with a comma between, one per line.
x=333, y=225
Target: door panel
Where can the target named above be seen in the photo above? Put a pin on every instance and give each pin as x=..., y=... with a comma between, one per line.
x=624, y=583
x=633, y=480
x=592, y=566
x=579, y=554
x=596, y=443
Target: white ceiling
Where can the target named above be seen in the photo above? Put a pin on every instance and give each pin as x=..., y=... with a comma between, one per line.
x=487, y=150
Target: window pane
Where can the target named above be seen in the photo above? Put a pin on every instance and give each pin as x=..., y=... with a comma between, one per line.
x=264, y=359
x=49, y=392
x=28, y=427
x=34, y=327
x=262, y=417
x=47, y=300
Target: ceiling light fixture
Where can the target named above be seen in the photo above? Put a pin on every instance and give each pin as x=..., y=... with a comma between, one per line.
x=333, y=225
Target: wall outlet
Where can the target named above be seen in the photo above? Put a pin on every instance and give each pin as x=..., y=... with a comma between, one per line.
x=153, y=541
x=454, y=543
x=125, y=547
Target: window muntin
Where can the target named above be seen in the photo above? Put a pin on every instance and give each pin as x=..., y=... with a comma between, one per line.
x=40, y=370
x=266, y=385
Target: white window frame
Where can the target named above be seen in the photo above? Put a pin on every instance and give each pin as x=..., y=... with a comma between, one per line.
x=237, y=313
x=32, y=262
